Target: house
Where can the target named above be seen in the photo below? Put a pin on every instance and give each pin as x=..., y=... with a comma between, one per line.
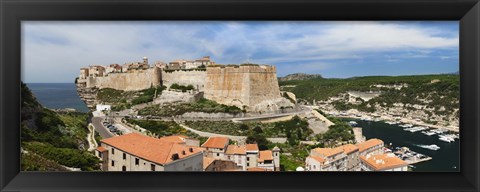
x=382, y=162
x=371, y=146
x=244, y=156
x=326, y=159
x=215, y=147
x=136, y=152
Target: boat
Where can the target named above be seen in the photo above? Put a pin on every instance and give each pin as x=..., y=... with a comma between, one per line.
x=429, y=133
x=431, y=147
x=353, y=123
x=446, y=138
x=391, y=122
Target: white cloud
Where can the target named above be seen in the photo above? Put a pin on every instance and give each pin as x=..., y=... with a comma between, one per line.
x=54, y=51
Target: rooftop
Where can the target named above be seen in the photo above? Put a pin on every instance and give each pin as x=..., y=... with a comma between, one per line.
x=328, y=152
x=369, y=144
x=174, y=138
x=252, y=147
x=151, y=149
x=234, y=149
x=348, y=148
x=265, y=156
x=216, y=142
x=319, y=159
x=383, y=161
x=101, y=149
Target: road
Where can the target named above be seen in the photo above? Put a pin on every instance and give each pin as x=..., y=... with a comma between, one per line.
x=102, y=130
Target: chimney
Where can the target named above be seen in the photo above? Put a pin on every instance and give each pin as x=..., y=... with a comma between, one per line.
x=175, y=156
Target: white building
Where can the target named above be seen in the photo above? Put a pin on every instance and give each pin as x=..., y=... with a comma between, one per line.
x=136, y=152
x=103, y=107
x=382, y=162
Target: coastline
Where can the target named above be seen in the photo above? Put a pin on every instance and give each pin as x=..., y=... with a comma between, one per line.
x=404, y=121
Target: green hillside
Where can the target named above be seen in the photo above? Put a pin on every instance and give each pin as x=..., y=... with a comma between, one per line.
x=50, y=140
x=432, y=90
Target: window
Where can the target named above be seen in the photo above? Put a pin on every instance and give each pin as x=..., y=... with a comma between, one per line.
x=124, y=156
x=152, y=167
x=137, y=161
x=113, y=163
x=113, y=151
x=248, y=158
x=218, y=154
x=124, y=168
x=248, y=164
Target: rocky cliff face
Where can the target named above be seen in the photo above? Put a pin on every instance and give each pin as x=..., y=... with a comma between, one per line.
x=299, y=76
x=88, y=95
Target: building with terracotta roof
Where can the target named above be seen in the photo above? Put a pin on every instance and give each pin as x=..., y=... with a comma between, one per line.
x=244, y=156
x=215, y=147
x=371, y=146
x=382, y=162
x=136, y=152
x=352, y=157
x=182, y=140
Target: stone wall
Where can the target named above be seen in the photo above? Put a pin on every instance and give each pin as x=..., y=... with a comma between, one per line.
x=195, y=78
x=254, y=88
x=130, y=81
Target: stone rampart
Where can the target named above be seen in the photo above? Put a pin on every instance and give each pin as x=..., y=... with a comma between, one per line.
x=191, y=77
x=129, y=81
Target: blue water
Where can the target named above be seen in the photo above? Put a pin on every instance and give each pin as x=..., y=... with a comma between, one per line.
x=446, y=159
x=57, y=95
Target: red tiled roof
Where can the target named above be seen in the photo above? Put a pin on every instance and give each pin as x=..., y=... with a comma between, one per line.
x=348, y=148
x=319, y=159
x=149, y=148
x=174, y=138
x=233, y=149
x=265, y=155
x=369, y=144
x=383, y=161
x=327, y=152
x=101, y=149
x=216, y=142
x=252, y=147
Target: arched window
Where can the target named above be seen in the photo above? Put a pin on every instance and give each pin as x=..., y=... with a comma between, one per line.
x=124, y=168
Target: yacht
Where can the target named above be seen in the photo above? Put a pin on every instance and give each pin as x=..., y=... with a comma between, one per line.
x=353, y=123
x=429, y=133
x=446, y=138
x=431, y=147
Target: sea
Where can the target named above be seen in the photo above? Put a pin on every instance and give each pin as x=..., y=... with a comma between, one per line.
x=445, y=159
x=58, y=95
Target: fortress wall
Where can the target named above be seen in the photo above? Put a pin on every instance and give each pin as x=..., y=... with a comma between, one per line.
x=244, y=85
x=195, y=78
x=264, y=85
x=130, y=81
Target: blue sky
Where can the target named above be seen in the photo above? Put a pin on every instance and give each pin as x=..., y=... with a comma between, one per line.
x=55, y=51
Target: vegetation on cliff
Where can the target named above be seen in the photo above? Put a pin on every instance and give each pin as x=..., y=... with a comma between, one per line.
x=183, y=88
x=299, y=76
x=125, y=99
x=164, y=128
x=441, y=92
x=55, y=139
x=295, y=129
x=202, y=105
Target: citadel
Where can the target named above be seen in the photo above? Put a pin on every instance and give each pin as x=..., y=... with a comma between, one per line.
x=251, y=87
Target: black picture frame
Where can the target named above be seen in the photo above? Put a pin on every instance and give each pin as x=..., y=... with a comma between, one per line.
x=12, y=12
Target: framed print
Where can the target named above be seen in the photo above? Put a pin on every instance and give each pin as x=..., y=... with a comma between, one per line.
x=239, y=95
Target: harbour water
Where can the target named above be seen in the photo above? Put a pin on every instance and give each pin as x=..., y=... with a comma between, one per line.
x=57, y=95
x=445, y=159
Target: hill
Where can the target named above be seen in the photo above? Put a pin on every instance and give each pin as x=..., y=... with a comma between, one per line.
x=299, y=76
x=432, y=98
x=53, y=141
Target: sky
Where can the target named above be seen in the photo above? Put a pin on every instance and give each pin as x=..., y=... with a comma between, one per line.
x=54, y=51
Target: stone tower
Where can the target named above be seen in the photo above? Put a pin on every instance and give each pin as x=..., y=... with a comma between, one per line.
x=145, y=60
x=276, y=158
